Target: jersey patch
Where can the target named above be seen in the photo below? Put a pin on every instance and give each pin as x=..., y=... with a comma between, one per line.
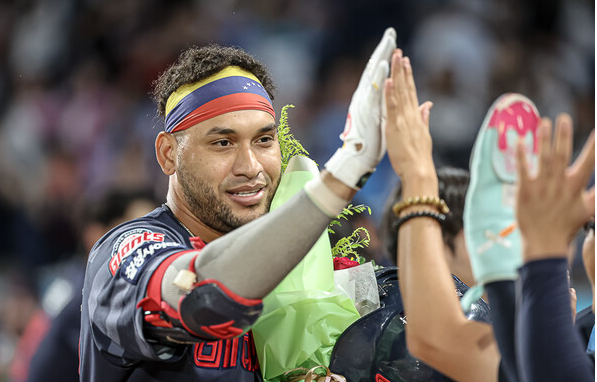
x=128, y=242
x=132, y=264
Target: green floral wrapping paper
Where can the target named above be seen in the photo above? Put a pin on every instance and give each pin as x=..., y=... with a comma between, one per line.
x=303, y=317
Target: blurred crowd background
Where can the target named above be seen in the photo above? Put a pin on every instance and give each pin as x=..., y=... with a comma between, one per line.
x=77, y=121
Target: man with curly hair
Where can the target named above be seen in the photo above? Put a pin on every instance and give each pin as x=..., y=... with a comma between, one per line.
x=158, y=302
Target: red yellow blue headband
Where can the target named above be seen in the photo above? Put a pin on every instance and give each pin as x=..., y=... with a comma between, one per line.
x=231, y=89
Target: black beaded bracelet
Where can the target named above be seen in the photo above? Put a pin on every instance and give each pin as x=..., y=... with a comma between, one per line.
x=441, y=218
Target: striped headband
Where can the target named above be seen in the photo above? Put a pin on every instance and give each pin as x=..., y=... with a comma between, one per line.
x=231, y=89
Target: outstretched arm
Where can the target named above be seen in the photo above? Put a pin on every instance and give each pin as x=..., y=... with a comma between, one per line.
x=551, y=206
x=437, y=331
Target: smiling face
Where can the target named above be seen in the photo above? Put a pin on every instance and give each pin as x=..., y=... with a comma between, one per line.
x=228, y=168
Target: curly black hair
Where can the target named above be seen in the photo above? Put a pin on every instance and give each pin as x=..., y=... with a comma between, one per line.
x=452, y=183
x=198, y=63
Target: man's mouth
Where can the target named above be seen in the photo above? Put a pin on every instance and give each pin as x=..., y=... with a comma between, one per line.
x=248, y=198
x=246, y=193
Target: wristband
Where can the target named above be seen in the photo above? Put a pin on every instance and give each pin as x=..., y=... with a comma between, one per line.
x=324, y=198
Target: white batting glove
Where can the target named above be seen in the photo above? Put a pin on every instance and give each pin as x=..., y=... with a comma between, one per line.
x=363, y=136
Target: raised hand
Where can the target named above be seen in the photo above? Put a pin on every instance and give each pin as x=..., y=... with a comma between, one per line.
x=554, y=203
x=363, y=138
x=407, y=124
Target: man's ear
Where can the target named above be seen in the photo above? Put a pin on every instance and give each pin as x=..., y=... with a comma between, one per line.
x=166, y=152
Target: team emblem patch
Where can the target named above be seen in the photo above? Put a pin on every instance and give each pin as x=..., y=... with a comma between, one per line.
x=128, y=242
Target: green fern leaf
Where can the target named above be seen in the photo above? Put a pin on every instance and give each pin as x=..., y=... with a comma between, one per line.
x=289, y=145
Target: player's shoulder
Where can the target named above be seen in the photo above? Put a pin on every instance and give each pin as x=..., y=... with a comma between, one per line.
x=159, y=220
x=157, y=226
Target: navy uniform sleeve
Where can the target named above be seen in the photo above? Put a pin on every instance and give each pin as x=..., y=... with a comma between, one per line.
x=548, y=347
x=118, y=270
x=502, y=300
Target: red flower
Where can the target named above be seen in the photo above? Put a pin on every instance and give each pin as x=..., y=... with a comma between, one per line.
x=343, y=263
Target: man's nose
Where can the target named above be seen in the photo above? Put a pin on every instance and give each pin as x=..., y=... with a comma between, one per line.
x=247, y=164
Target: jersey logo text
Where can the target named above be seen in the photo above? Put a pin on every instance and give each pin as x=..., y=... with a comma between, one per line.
x=226, y=354
x=133, y=264
x=128, y=242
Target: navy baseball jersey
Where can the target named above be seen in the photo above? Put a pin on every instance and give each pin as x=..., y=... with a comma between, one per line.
x=113, y=345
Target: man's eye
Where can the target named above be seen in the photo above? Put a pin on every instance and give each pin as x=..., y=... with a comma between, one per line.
x=222, y=143
x=265, y=139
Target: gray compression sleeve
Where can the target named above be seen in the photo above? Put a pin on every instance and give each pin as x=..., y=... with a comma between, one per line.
x=253, y=259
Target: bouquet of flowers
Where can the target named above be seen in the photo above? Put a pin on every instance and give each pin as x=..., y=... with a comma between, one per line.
x=306, y=313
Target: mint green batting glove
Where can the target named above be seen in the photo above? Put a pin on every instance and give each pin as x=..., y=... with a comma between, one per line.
x=492, y=238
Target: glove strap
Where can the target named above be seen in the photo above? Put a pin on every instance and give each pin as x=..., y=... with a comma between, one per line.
x=349, y=169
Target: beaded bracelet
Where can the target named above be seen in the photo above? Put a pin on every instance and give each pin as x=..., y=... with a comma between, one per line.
x=441, y=218
x=434, y=201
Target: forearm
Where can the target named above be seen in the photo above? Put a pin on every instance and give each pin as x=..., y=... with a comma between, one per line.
x=425, y=282
x=547, y=345
x=437, y=330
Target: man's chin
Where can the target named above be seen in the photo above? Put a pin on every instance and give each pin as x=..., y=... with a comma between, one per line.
x=252, y=215
x=246, y=215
